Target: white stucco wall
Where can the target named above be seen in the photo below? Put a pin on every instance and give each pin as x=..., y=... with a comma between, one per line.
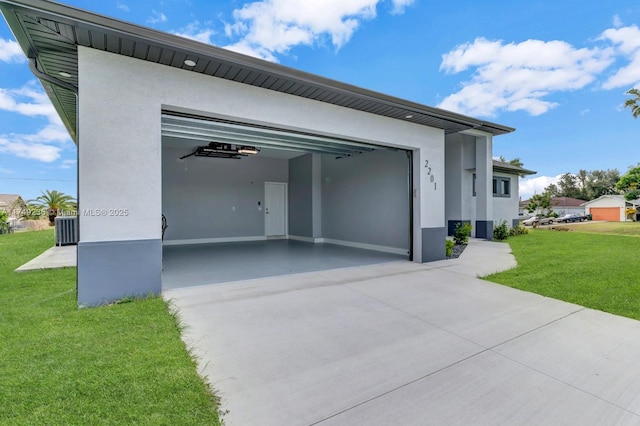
x=120, y=144
x=506, y=208
x=606, y=202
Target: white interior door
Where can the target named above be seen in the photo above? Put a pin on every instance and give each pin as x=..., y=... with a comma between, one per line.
x=275, y=209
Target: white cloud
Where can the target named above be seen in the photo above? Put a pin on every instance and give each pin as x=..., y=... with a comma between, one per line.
x=269, y=27
x=195, y=31
x=157, y=17
x=45, y=144
x=627, y=44
x=10, y=51
x=32, y=151
x=519, y=76
x=536, y=185
x=617, y=21
x=400, y=5
x=67, y=164
x=122, y=6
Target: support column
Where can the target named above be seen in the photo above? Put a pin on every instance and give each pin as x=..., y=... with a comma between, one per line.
x=484, y=187
x=429, y=201
x=119, y=184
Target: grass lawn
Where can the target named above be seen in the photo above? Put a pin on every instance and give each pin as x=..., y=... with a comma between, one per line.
x=599, y=271
x=617, y=228
x=118, y=364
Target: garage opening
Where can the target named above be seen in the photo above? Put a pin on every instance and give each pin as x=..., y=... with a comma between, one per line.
x=243, y=201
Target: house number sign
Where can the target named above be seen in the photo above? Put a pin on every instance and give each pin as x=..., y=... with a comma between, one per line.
x=432, y=178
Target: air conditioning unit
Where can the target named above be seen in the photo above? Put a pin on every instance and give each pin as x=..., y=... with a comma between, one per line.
x=66, y=230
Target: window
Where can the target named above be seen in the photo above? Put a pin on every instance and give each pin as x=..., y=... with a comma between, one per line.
x=474, y=184
x=505, y=187
x=501, y=186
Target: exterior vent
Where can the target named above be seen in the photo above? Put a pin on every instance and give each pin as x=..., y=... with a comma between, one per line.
x=66, y=230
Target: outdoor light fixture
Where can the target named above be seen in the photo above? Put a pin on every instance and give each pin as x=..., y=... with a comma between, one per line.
x=223, y=150
x=190, y=62
x=64, y=74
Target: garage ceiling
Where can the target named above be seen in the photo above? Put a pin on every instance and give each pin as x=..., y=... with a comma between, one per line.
x=205, y=130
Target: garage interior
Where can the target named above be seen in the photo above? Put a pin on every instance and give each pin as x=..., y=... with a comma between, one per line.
x=244, y=201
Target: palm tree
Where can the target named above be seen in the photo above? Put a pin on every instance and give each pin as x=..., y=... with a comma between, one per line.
x=633, y=103
x=54, y=202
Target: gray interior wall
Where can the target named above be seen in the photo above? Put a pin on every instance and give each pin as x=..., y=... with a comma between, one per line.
x=316, y=189
x=301, y=196
x=365, y=198
x=216, y=198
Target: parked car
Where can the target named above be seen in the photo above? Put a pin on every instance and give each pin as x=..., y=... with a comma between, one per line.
x=538, y=220
x=571, y=217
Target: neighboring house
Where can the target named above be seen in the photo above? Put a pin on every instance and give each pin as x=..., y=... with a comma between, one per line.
x=560, y=205
x=13, y=204
x=171, y=126
x=462, y=188
x=609, y=207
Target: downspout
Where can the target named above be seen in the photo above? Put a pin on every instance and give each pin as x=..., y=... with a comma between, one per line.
x=33, y=66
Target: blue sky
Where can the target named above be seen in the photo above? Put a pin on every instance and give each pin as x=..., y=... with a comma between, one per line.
x=557, y=71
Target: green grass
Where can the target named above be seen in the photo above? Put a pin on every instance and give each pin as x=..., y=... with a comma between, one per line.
x=599, y=271
x=117, y=364
x=617, y=228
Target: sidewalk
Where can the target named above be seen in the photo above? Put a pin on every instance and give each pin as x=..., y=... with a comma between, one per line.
x=55, y=257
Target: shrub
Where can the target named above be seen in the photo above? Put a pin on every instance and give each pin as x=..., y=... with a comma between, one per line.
x=501, y=231
x=461, y=233
x=518, y=230
x=449, y=247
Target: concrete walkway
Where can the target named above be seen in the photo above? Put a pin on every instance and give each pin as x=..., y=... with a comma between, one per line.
x=55, y=257
x=409, y=344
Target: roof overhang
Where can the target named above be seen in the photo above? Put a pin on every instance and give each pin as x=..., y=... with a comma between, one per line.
x=49, y=34
x=499, y=166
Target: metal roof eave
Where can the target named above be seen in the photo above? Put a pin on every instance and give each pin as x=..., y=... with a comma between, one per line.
x=80, y=19
x=508, y=168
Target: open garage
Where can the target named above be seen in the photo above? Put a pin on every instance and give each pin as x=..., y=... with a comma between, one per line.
x=232, y=192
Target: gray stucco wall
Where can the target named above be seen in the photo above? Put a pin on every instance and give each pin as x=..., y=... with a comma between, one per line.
x=365, y=199
x=301, y=196
x=110, y=270
x=216, y=198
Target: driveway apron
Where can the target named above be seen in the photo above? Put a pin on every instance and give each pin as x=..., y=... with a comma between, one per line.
x=411, y=344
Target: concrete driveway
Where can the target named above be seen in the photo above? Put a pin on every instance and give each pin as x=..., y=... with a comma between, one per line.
x=408, y=344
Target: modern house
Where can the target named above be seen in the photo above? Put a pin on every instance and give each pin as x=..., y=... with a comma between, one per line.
x=610, y=208
x=233, y=148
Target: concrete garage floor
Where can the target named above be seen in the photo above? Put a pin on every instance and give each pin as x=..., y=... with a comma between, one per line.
x=191, y=265
x=408, y=344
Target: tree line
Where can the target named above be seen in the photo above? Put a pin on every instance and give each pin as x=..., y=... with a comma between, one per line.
x=589, y=185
